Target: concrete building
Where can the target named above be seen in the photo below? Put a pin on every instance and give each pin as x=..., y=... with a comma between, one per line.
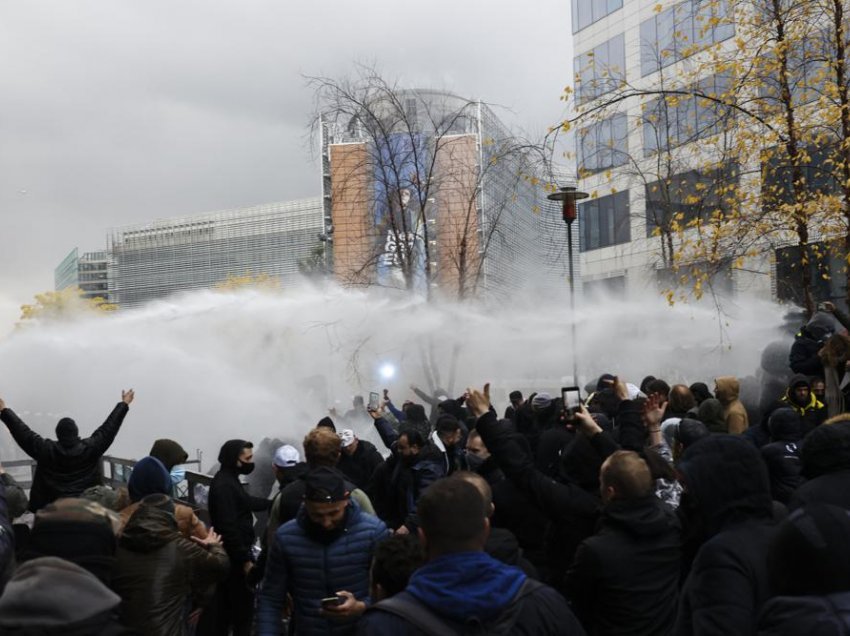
x=480, y=227
x=154, y=260
x=618, y=41
x=89, y=272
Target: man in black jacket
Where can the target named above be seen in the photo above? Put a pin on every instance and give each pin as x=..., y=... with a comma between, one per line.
x=65, y=468
x=726, y=481
x=825, y=462
x=358, y=460
x=231, y=514
x=625, y=578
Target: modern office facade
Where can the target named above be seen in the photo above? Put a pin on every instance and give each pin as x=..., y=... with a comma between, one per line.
x=88, y=271
x=641, y=44
x=487, y=229
x=154, y=260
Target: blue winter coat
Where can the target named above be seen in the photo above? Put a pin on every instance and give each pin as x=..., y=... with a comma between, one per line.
x=310, y=571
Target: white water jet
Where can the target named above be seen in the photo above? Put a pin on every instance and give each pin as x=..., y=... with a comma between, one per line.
x=210, y=366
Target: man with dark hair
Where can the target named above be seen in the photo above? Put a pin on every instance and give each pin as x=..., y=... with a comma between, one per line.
x=395, y=560
x=799, y=396
x=325, y=552
x=65, y=468
x=359, y=458
x=660, y=388
x=447, y=437
x=516, y=402
x=231, y=514
x=461, y=588
x=399, y=482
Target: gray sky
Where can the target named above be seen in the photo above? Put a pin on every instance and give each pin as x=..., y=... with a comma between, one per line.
x=116, y=113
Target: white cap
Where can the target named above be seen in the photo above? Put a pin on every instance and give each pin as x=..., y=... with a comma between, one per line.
x=347, y=437
x=286, y=456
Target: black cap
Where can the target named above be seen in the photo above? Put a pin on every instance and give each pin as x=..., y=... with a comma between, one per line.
x=325, y=485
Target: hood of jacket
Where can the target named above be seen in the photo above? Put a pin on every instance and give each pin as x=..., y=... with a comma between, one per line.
x=644, y=517
x=48, y=593
x=727, y=479
x=148, y=529
x=229, y=453
x=826, y=450
x=785, y=425
x=503, y=546
x=710, y=413
x=169, y=452
x=728, y=389
x=466, y=585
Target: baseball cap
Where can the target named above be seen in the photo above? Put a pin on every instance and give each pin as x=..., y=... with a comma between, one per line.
x=286, y=456
x=325, y=485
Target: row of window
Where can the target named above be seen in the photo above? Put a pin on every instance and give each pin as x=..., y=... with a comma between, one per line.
x=666, y=123
x=681, y=31
x=586, y=12
x=665, y=38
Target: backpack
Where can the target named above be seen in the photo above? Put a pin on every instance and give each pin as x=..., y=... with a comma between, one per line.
x=406, y=606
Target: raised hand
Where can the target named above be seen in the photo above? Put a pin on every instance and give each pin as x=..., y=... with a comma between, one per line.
x=2, y=404
x=127, y=396
x=478, y=401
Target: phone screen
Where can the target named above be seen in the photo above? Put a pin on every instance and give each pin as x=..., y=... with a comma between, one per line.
x=332, y=601
x=571, y=395
x=373, y=401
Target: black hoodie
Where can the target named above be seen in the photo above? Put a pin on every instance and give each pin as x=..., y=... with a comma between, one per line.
x=624, y=579
x=825, y=458
x=728, y=487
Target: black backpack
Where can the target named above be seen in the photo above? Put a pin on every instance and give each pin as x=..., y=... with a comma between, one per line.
x=406, y=606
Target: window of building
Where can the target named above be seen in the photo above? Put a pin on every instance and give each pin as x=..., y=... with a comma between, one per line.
x=601, y=70
x=603, y=145
x=586, y=12
x=681, y=31
x=818, y=171
x=668, y=123
x=689, y=195
x=604, y=221
x=611, y=287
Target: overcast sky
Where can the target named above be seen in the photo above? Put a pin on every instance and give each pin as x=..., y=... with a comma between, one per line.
x=115, y=113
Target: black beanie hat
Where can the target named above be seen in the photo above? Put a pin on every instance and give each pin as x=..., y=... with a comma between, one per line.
x=67, y=432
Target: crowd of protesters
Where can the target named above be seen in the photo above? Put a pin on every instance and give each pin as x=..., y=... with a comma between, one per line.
x=648, y=509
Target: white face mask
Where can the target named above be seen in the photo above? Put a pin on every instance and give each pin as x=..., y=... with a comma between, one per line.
x=178, y=474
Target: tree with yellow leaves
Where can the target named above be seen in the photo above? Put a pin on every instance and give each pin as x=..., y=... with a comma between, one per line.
x=746, y=132
x=264, y=282
x=66, y=303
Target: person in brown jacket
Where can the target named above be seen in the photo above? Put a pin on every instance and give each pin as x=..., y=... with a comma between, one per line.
x=160, y=575
x=726, y=389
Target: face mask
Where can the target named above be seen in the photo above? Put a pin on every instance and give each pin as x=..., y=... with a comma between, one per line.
x=474, y=462
x=246, y=469
x=177, y=475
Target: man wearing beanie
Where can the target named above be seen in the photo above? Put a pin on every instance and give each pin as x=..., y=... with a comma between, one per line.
x=158, y=572
x=66, y=467
x=150, y=477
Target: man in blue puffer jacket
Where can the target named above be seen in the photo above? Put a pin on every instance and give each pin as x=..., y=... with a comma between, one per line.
x=325, y=552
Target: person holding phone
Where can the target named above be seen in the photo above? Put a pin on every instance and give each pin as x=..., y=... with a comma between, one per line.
x=322, y=559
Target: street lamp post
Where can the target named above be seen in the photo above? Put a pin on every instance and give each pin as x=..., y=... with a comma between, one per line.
x=568, y=196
